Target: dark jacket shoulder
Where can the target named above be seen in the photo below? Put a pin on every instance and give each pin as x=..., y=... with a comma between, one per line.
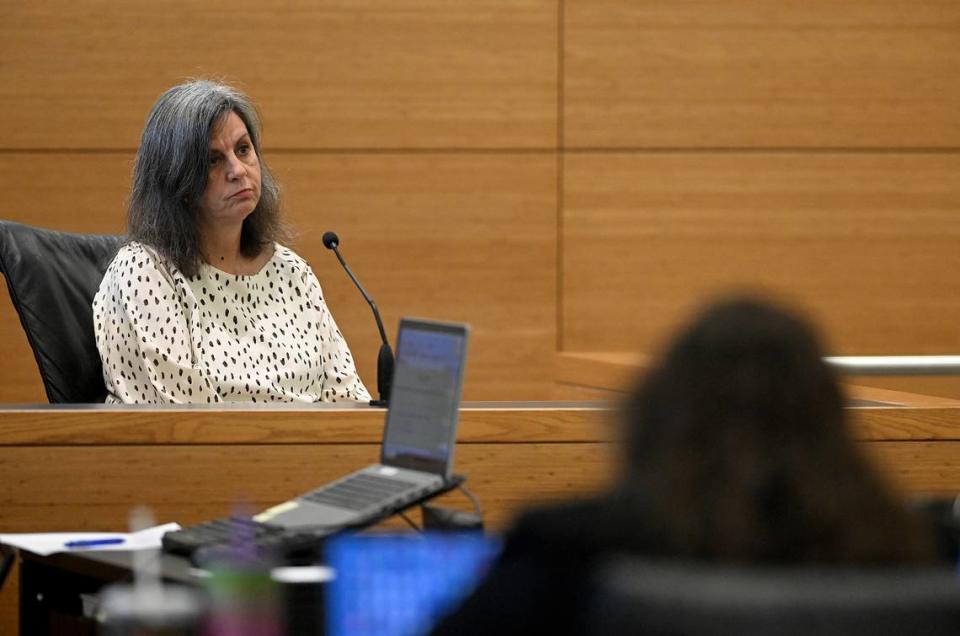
x=541, y=582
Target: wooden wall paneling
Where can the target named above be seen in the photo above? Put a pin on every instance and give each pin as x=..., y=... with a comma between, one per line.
x=66, y=191
x=19, y=377
x=459, y=237
x=9, y=602
x=328, y=73
x=799, y=73
x=866, y=244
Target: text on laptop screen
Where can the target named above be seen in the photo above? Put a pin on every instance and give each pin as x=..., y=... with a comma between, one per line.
x=425, y=397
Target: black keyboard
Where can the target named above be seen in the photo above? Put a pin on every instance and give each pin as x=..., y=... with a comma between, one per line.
x=360, y=491
x=213, y=540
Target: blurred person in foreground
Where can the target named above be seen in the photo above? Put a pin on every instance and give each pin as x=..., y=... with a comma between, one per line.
x=736, y=450
x=204, y=304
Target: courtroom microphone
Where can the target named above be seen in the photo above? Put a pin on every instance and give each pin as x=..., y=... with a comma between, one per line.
x=385, y=358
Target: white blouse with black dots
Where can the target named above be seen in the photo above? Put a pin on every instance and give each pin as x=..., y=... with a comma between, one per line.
x=218, y=337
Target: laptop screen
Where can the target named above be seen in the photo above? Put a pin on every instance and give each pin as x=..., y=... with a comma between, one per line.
x=425, y=396
x=401, y=585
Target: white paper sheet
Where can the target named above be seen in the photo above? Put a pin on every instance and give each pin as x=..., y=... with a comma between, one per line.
x=45, y=543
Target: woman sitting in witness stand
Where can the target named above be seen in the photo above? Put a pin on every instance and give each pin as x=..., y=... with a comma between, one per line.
x=203, y=304
x=736, y=451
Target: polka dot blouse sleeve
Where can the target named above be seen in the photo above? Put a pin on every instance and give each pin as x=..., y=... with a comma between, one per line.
x=339, y=379
x=142, y=331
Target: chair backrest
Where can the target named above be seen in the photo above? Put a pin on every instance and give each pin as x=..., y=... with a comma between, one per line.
x=641, y=597
x=52, y=278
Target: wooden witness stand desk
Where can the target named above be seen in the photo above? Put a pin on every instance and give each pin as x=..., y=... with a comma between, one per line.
x=915, y=439
x=82, y=468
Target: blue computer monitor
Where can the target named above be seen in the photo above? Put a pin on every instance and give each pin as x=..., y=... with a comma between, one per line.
x=401, y=585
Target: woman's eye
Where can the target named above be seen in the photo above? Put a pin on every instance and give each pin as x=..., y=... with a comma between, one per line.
x=214, y=159
x=243, y=150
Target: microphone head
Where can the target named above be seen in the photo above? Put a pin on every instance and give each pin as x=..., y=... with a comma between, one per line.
x=330, y=240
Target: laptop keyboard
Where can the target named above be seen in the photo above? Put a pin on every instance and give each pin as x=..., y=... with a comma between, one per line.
x=240, y=533
x=187, y=540
x=359, y=491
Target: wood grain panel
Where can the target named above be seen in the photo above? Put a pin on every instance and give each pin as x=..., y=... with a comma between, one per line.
x=62, y=487
x=749, y=73
x=612, y=372
x=454, y=237
x=899, y=416
x=945, y=385
x=866, y=244
x=191, y=483
x=67, y=191
x=9, y=603
x=19, y=377
x=72, y=192
x=327, y=73
x=919, y=467
x=905, y=424
x=201, y=424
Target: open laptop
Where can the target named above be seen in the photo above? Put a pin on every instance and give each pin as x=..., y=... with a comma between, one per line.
x=416, y=454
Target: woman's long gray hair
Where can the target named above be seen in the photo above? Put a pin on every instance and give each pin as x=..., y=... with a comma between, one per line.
x=170, y=174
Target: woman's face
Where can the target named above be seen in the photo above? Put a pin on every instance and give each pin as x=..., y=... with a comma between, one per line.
x=233, y=180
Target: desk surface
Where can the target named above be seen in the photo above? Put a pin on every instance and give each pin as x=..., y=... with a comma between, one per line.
x=877, y=414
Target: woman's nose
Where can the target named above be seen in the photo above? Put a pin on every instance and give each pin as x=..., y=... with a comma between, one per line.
x=235, y=167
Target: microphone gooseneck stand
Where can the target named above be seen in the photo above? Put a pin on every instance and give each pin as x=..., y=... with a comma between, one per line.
x=385, y=357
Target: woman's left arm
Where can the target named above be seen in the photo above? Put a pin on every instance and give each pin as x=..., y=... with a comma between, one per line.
x=339, y=378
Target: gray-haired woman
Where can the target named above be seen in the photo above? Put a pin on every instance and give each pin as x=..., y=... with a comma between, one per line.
x=203, y=303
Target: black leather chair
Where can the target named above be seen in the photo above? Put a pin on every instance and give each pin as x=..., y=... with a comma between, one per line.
x=642, y=597
x=52, y=278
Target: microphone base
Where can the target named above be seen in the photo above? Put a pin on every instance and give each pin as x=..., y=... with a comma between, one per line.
x=382, y=403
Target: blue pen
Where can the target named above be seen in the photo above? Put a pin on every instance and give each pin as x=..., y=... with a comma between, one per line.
x=91, y=543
